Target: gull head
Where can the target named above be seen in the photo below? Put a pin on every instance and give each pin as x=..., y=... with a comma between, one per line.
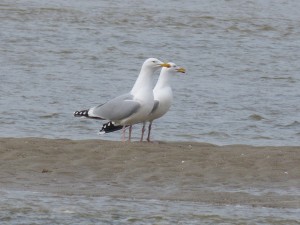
x=173, y=68
x=154, y=64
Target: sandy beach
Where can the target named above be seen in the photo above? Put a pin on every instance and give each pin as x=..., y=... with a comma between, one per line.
x=198, y=172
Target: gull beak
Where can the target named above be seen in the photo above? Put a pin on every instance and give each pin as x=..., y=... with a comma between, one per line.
x=165, y=65
x=181, y=70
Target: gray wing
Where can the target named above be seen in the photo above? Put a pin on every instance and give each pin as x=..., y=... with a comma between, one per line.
x=118, y=108
x=156, y=103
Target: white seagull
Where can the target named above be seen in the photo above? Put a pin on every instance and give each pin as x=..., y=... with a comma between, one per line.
x=163, y=97
x=132, y=107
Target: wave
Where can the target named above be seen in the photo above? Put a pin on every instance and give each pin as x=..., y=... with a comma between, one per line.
x=289, y=78
x=48, y=116
x=256, y=117
x=293, y=124
x=7, y=122
x=216, y=134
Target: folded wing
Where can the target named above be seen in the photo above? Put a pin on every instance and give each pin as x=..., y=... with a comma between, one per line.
x=116, y=109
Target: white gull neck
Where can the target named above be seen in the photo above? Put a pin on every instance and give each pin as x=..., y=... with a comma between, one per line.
x=164, y=79
x=144, y=80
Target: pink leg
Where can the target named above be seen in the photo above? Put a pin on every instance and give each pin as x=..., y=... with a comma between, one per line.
x=130, y=129
x=123, y=133
x=149, y=131
x=143, y=131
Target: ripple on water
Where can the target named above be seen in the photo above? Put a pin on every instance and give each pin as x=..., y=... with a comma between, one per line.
x=46, y=208
x=50, y=116
x=242, y=65
x=256, y=117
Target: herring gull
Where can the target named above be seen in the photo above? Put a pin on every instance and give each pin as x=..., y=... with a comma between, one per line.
x=132, y=107
x=163, y=97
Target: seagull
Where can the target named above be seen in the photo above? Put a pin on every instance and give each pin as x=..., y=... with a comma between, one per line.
x=163, y=97
x=132, y=107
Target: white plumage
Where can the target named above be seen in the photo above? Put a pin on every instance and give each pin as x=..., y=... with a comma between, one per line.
x=133, y=107
x=163, y=95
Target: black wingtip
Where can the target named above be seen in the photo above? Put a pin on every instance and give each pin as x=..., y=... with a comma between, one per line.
x=109, y=127
x=81, y=113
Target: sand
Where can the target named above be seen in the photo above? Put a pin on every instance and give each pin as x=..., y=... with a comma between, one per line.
x=183, y=171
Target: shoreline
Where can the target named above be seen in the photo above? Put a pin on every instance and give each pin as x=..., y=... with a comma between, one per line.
x=181, y=171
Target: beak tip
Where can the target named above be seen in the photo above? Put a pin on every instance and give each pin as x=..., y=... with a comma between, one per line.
x=167, y=65
x=181, y=70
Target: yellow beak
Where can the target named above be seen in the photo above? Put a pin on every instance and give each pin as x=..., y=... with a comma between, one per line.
x=181, y=70
x=165, y=65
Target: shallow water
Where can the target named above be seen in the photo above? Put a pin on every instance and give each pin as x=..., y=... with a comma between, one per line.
x=242, y=87
x=44, y=208
x=242, y=58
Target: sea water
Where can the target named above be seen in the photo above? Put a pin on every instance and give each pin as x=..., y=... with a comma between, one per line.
x=24, y=207
x=242, y=84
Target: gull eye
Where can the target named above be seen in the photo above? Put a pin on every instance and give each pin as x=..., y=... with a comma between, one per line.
x=154, y=61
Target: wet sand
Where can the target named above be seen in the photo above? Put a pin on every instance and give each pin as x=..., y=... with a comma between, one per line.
x=199, y=172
